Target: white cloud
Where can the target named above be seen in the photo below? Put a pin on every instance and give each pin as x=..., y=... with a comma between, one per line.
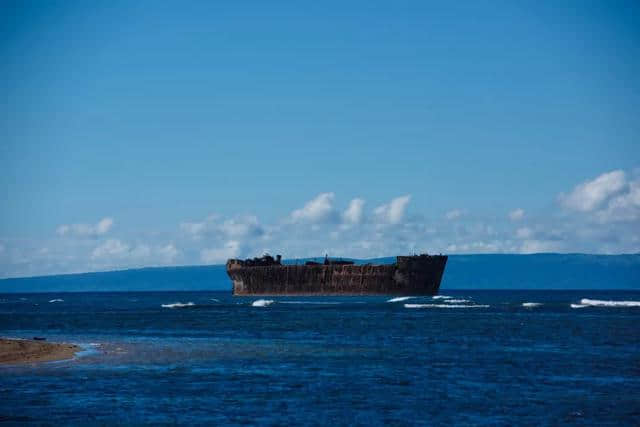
x=590, y=195
x=516, y=214
x=111, y=248
x=86, y=230
x=475, y=247
x=240, y=226
x=538, y=246
x=168, y=253
x=140, y=251
x=623, y=207
x=316, y=210
x=193, y=228
x=220, y=255
x=606, y=199
x=354, y=213
x=116, y=252
x=392, y=212
x=103, y=225
x=524, y=233
x=453, y=214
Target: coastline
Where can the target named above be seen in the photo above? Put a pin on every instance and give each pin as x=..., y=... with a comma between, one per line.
x=18, y=351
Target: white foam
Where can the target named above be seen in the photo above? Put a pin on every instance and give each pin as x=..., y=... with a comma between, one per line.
x=56, y=300
x=531, y=304
x=262, y=303
x=178, y=305
x=444, y=306
x=578, y=306
x=457, y=301
x=601, y=303
x=310, y=302
x=398, y=299
x=441, y=297
x=214, y=300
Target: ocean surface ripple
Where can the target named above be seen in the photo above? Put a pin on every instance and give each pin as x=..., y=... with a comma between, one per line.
x=467, y=358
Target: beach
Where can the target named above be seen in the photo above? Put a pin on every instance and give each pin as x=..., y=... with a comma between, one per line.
x=30, y=351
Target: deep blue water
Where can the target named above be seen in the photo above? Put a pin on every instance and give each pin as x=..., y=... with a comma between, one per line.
x=315, y=361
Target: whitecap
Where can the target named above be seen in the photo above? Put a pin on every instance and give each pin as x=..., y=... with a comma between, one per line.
x=579, y=305
x=262, y=303
x=398, y=299
x=601, y=303
x=441, y=297
x=531, y=304
x=178, y=305
x=310, y=302
x=214, y=300
x=56, y=300
x=444, y=306
x=457, y=301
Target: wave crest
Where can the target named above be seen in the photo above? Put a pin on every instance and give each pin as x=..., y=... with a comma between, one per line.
x=311, y=302
x=57, y=300
x=178, y=305
x=602, y=303
x=531, y=304
x=398, y=299
x=262, y=303
x=445, y=306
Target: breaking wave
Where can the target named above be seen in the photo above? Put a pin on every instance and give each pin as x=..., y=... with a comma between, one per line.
x=601, y=303
x=178, y=305
x=441, y=297
x=444, y=306
x=262, y=303
x=457, y=301
x=579, y=305
x=56, y=300
x=531, y=304
x=398, y=299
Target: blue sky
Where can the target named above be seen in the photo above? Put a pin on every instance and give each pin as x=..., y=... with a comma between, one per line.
x=138, y=133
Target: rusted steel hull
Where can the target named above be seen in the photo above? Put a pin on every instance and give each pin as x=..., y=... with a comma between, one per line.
x=413, y=275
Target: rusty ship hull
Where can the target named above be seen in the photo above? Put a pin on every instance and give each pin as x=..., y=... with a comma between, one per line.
x=410, y=275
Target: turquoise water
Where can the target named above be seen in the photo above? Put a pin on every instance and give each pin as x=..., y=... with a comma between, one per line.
x=476, y=358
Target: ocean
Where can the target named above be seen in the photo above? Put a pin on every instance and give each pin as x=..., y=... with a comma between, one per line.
x=467, y=357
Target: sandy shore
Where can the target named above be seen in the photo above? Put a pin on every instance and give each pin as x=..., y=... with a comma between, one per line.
x=30, y=351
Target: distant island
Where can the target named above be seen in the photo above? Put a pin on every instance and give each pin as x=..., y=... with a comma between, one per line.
x=492, y=271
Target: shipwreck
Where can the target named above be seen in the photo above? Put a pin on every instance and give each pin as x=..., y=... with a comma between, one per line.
x=409, y=275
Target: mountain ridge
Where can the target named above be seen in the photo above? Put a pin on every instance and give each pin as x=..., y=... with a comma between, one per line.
x=474, y=271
